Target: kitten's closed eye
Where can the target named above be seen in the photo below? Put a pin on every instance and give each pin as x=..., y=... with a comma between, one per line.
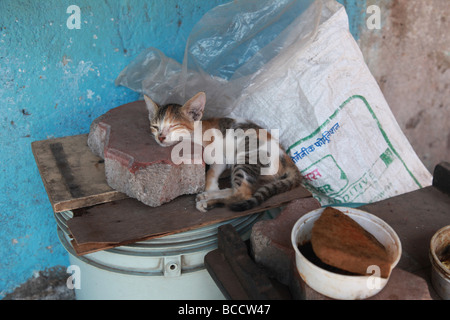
x=171, y=122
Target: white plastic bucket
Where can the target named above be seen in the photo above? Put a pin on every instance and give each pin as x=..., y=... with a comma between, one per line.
x=166, y=268
x=335, y=285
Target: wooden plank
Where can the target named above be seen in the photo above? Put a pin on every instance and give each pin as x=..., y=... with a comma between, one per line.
x=127, y=221
x=220, y=271
x=225, y=278
x=253, y=279
x=72, y=175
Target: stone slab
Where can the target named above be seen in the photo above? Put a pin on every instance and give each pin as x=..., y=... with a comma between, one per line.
x=136, y=165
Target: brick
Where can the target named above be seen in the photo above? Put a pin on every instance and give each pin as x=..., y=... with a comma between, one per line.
x=339, y=241
x=271, y=239
x=135, y=164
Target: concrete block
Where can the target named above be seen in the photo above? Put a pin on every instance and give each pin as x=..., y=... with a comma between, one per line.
x=271, y=239
x=135, y=164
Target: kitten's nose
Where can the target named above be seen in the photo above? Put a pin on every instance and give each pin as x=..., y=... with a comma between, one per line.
x=161, y=138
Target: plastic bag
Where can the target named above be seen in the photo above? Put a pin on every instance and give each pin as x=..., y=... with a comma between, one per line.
x=293, y=66
x=226, y=49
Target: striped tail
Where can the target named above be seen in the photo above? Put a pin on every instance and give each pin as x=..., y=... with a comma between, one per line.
x=289, y=182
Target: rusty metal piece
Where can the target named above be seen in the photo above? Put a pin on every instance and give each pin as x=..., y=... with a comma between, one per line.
x=441, y=178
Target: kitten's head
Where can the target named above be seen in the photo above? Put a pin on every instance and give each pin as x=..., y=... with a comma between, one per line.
x=170, y=122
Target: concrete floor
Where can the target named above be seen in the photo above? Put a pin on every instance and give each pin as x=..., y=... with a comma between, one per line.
x=45, y=285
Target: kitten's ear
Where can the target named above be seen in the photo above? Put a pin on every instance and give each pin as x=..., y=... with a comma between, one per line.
x=151, y=106
x=195, y=106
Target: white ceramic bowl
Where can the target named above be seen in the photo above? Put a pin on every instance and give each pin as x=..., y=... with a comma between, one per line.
x=338, y=286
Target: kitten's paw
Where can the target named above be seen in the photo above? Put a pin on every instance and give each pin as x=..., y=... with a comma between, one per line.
x=201, y=205
x=206, y=195
x=200, y=197
x=206, y=205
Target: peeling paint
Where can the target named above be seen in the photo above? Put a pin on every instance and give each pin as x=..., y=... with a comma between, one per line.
x=90, y=94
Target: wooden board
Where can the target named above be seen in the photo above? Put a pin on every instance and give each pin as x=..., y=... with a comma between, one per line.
x=74, y=179
x=127, y=221
x=72, y=175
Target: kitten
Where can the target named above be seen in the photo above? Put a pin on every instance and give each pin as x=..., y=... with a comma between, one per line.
x=249, y=187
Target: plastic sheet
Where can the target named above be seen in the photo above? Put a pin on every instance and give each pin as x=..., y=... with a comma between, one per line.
x=226, y=49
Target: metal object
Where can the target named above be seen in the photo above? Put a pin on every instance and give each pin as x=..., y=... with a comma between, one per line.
x=440, y=273
x=171, y=267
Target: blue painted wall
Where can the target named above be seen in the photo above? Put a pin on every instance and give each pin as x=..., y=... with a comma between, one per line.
x=53, y=83
x=356, y=11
